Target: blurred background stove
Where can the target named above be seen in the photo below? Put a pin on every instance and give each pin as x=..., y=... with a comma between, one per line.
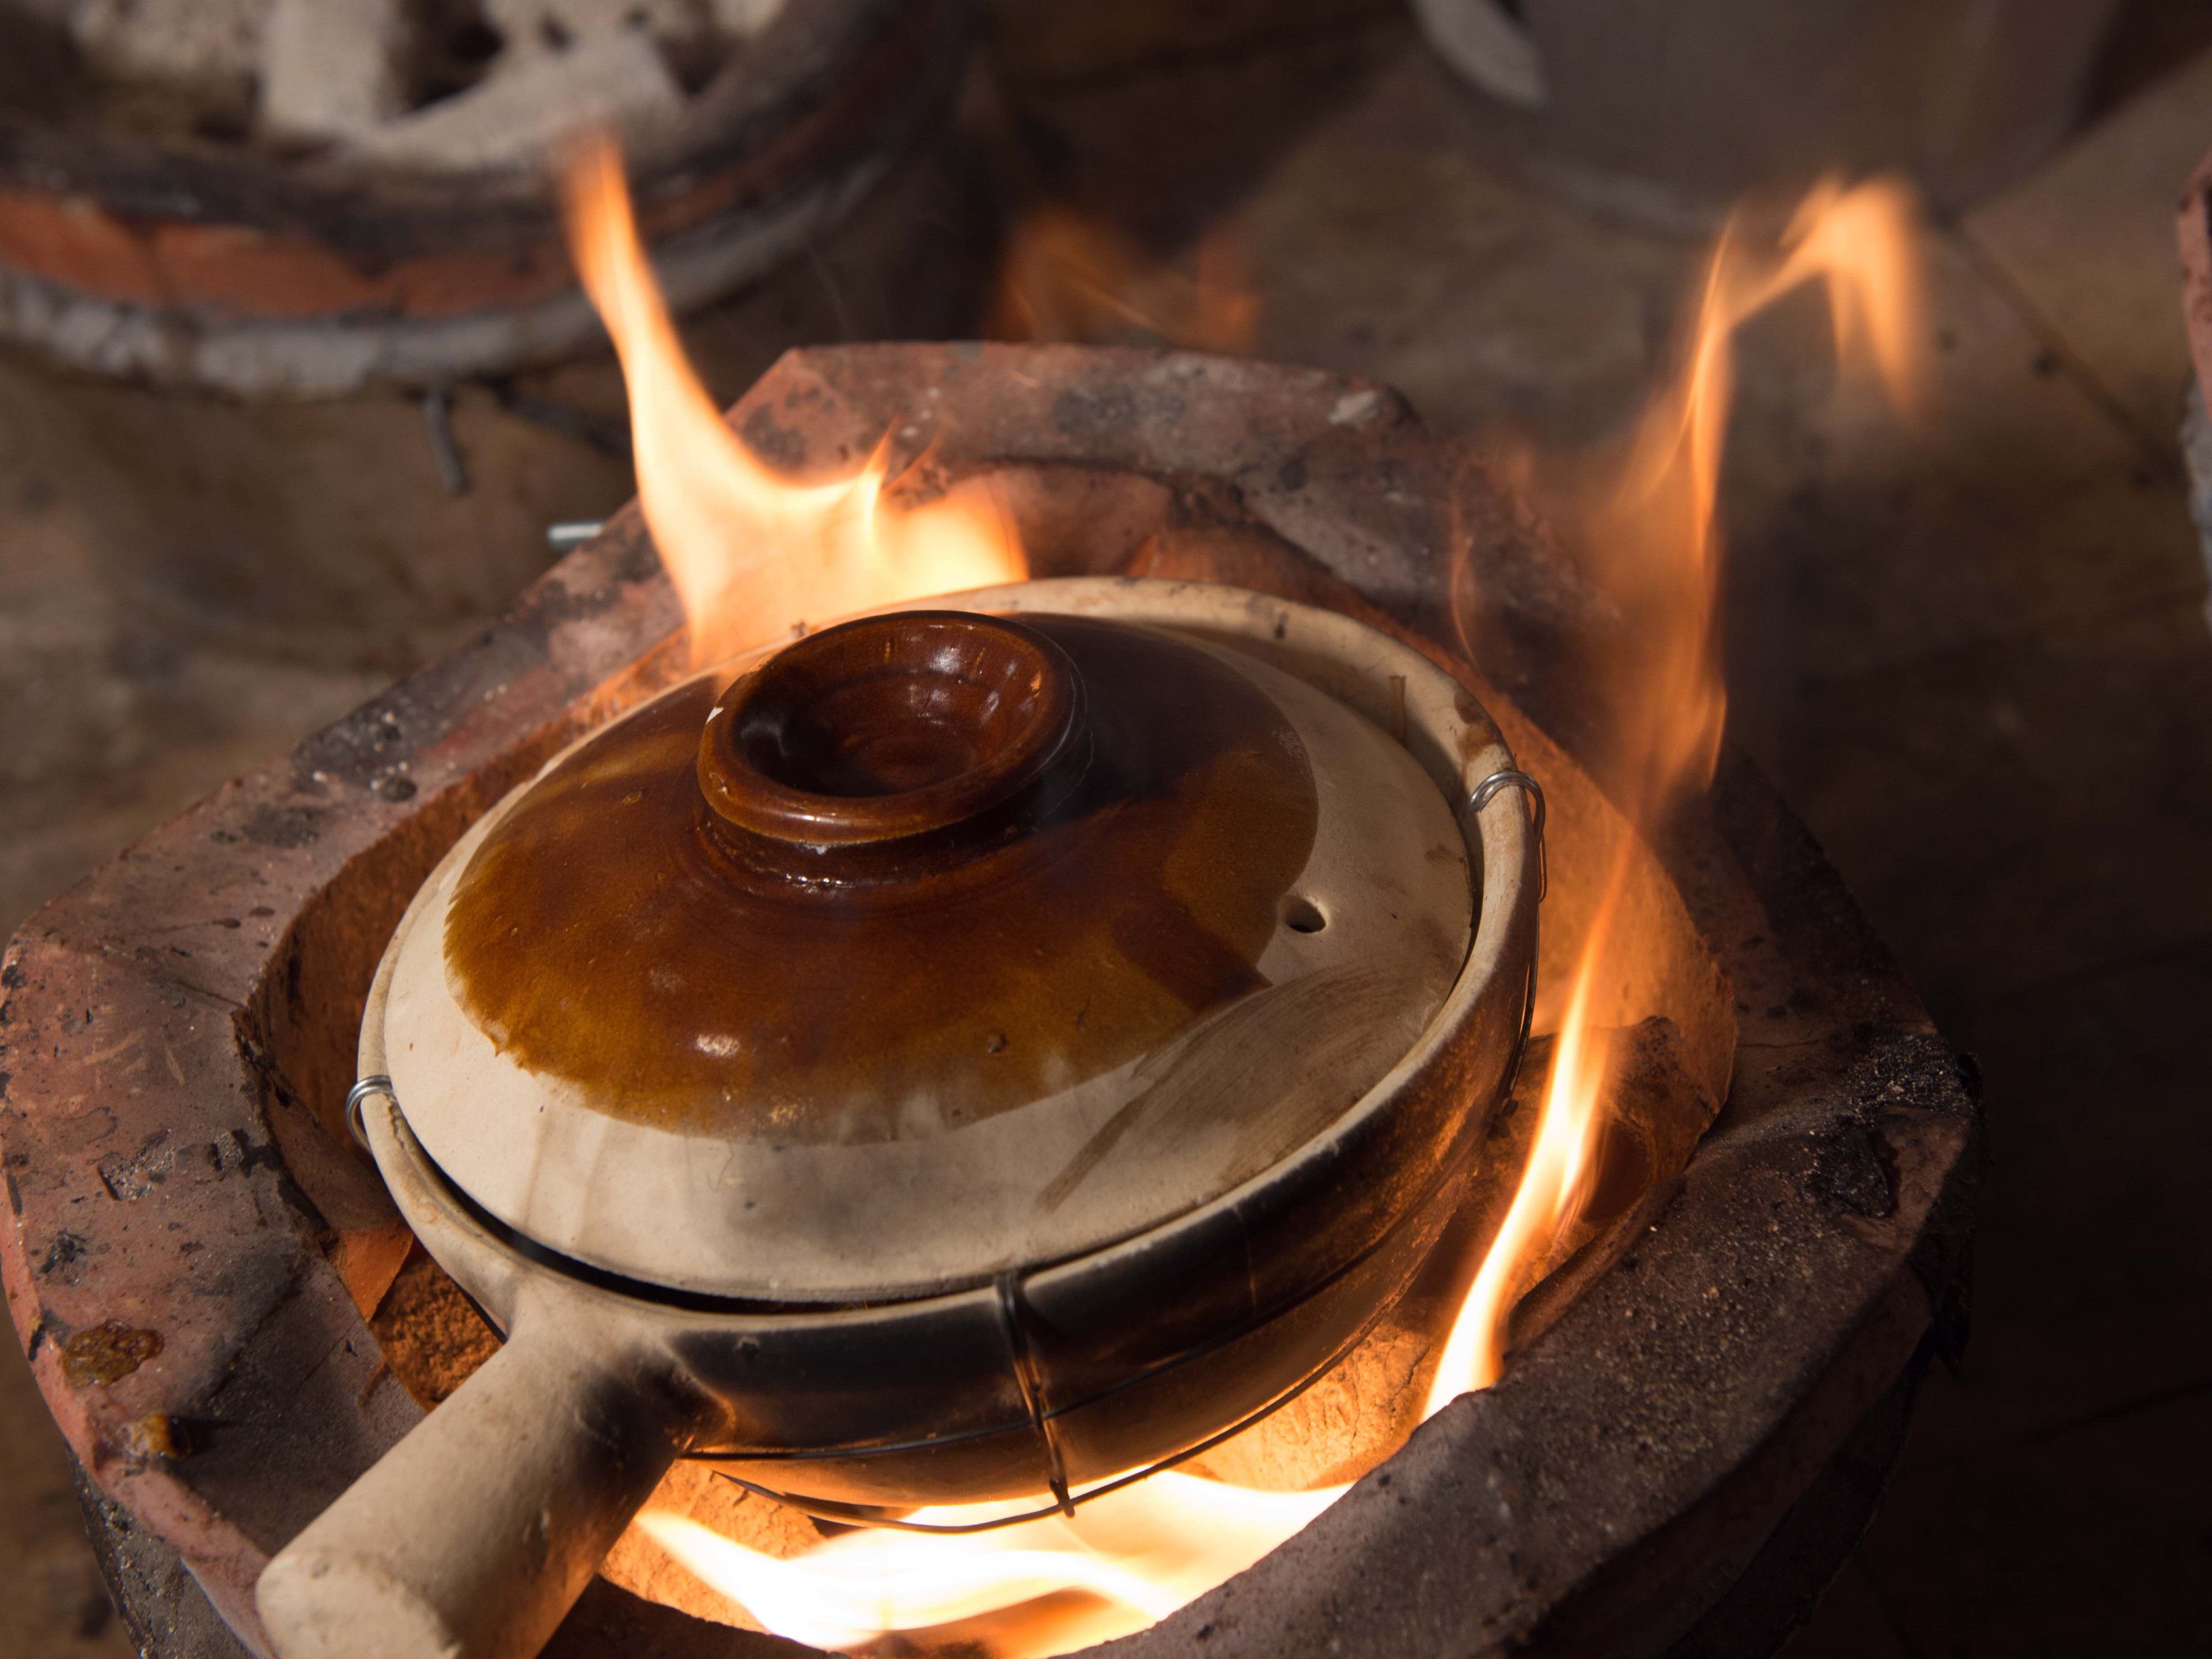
x=1931, y=627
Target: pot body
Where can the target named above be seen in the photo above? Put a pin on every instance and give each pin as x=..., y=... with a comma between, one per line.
x=1031, y=1384
x=475, y=1535
x=1054, y=1375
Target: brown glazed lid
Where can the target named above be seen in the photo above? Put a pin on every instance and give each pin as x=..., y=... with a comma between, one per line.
x=939, y=942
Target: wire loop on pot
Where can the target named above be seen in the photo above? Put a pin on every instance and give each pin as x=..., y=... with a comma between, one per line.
x=1488, y=789
x=379, y=1084
x=1025, y=1373
x=1477, y=797
x=855, y=1514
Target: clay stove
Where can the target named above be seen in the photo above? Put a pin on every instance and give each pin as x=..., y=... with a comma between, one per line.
x=340, y=238
x=194, y=1241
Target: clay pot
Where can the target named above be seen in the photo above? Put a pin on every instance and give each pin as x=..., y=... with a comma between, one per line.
x=975, y=1054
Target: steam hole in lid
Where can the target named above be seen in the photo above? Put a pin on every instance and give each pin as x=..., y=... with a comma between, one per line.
x=1303, y=915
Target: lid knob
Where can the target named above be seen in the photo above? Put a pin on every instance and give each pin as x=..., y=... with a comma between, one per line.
x=889, y=727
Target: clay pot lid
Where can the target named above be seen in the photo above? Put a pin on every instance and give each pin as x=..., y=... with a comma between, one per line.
x=896, y=733
x=938, y=942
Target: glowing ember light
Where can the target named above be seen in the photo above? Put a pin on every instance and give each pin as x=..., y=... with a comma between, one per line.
x=751, y=555
x=1068, y=275
x=1136, y=1555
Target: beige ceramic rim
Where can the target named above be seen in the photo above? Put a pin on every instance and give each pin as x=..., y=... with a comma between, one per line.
x=1448, y=736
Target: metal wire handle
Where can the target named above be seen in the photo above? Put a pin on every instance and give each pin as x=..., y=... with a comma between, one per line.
x=1064, y=1500
x=1011, y=1306
x=1477, y=797
x=1488, y=789
x=379, y=1084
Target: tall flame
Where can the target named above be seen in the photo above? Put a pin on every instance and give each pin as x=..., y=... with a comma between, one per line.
x=751, y=555
x=1651, y=540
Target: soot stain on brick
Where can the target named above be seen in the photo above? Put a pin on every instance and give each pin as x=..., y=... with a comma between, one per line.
x=1095, y=414
x=639, y=562
x=252, y=1155
x=283, y=826
x=773, y=442
x=353, y=748
x=66, y=1251
x=1854, y=1169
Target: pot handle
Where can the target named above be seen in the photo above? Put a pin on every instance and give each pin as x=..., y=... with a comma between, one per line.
x=473, y=1536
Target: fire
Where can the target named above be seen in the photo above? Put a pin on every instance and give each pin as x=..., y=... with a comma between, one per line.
x=751, y=555
x=1068, y=275
x=1133, y=1556
x=1651, y=539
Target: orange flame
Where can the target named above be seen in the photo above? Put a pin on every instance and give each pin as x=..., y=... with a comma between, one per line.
x=1652, y=542
x=753, y=556
x=1068, y=275
x=1135, y=1555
